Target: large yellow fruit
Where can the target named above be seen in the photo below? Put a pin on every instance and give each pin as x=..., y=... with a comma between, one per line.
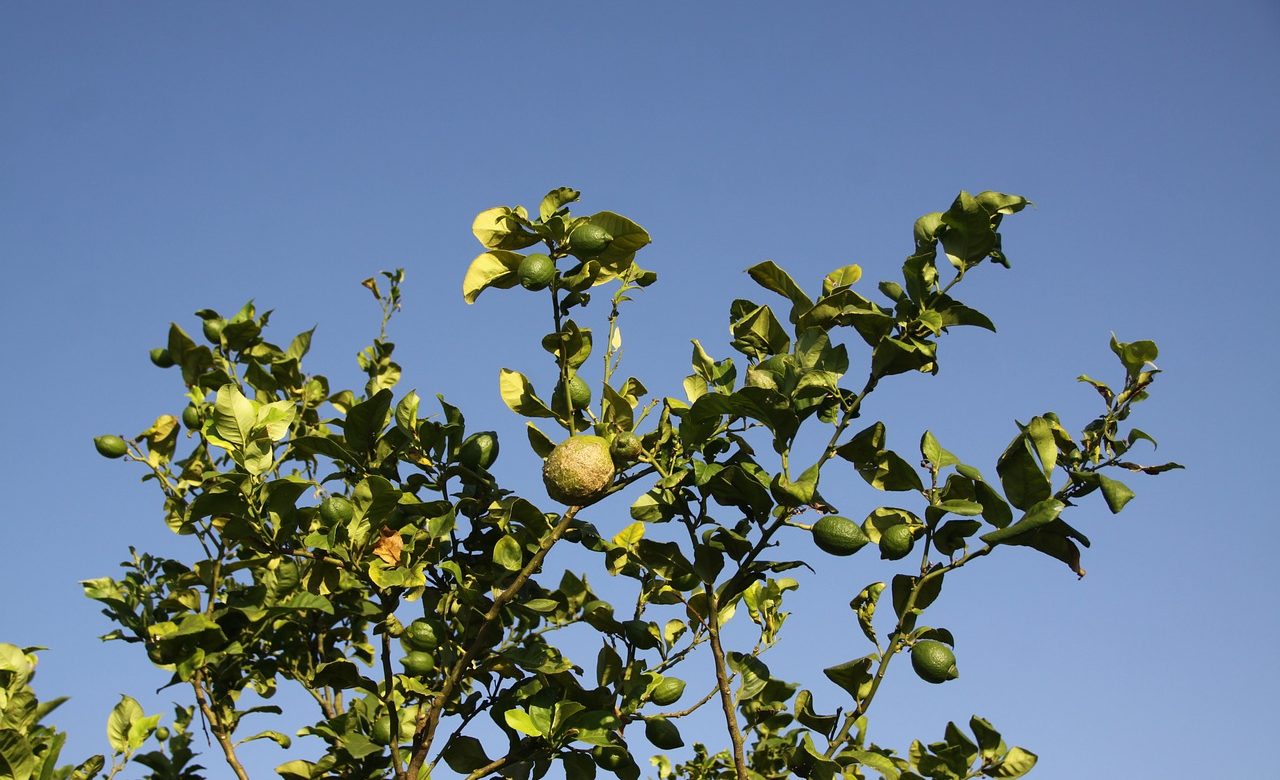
x=579, y=470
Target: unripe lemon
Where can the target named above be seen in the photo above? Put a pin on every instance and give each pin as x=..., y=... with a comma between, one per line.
x=588, y=240
x=934, y=661
x=336, y=510
x=668, y=691
x=421, y=635
x=536, y=272
x=626, y=447
x=479, y=450
x=896, y=542
x=191, y=417
x=579, y=470
x=418, y=663
x=663, y=733
x=161, y=358
x=110, y=446
x=213, y=329
x=838, y=535
x=579, y=395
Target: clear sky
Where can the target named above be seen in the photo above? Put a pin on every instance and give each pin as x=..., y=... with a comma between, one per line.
x=159, y=158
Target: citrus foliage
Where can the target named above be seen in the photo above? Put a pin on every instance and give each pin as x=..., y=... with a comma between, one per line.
x=321, y=516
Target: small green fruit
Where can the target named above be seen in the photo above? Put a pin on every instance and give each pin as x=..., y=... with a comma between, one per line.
x=336, y=510
x=667, y=692
x=838, y=535
x=626, y=447
x=536, y=272
x=110, y=446
x=161, y=358
x=479, y=450
x=896, y=542
x=418, y=663
x=162, y=733
x=213, y=329
x=934, y=661
x=191, y=417
x=588, y=240
x=421, y=635
x=662, y=733
x=579, y=395
x=608, y=758
x=579, y=470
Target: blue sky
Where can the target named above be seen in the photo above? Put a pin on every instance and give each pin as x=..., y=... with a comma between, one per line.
x=156, y=159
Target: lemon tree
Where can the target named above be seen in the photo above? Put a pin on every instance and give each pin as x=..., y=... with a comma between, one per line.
x=367, y=545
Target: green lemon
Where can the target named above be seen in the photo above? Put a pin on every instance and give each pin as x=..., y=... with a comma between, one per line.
x=110, y=446
x=579, y=395
x=381, y=732
x=662, y=733
x=479, y=450
x=638, y=634
x=162, y=733
x=161, y=358
x=213, y=329
x=421, y=635
x=191, y=417
x=668, y=691
x=336, y=510
x=588, y=240
x=579, y=470
x=896, y=542
x=536, y=272
x=418, y=663
x=934, y=661
x=838, y=535
x=608, y=758
x=626, y=447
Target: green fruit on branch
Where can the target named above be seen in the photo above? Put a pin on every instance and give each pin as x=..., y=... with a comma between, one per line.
x=838, y=535
x=536, y=272
x=418, y=663
x=191, y=417
x=579, y=396
x=662, y=733
x=479, y=450
x=934, y=661
x=588, y=240
x=213, y=329
x=667, y=692
x=896, y=542
x=421, y=635
x=161, y=358
x=336, y=510
x=110, y=446
x=626, y=447
x=579, y=470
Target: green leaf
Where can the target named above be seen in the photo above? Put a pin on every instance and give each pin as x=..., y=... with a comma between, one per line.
x=89, y=768
x=521, y=721
x=1024, y=481
x=541, y=444
x=119, y=722
x=231, y=424
x=864, y=605
x=823, y=724
x=845, y=276
x=1016, y=763
x=989, y=740
x=502, y=228
x=935, y=454
x=758, y=334
x=1134, y=355
x=16, y=759
x=465, y=754
x=517, y=393
x=1040, y=514
x=366, y=420
x=853, y=676
x=1115, y=492
x=555, y=200
x=280, y=739
x=507, y=553
x=407, y=412
x=491, y=269
x=769, y=276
